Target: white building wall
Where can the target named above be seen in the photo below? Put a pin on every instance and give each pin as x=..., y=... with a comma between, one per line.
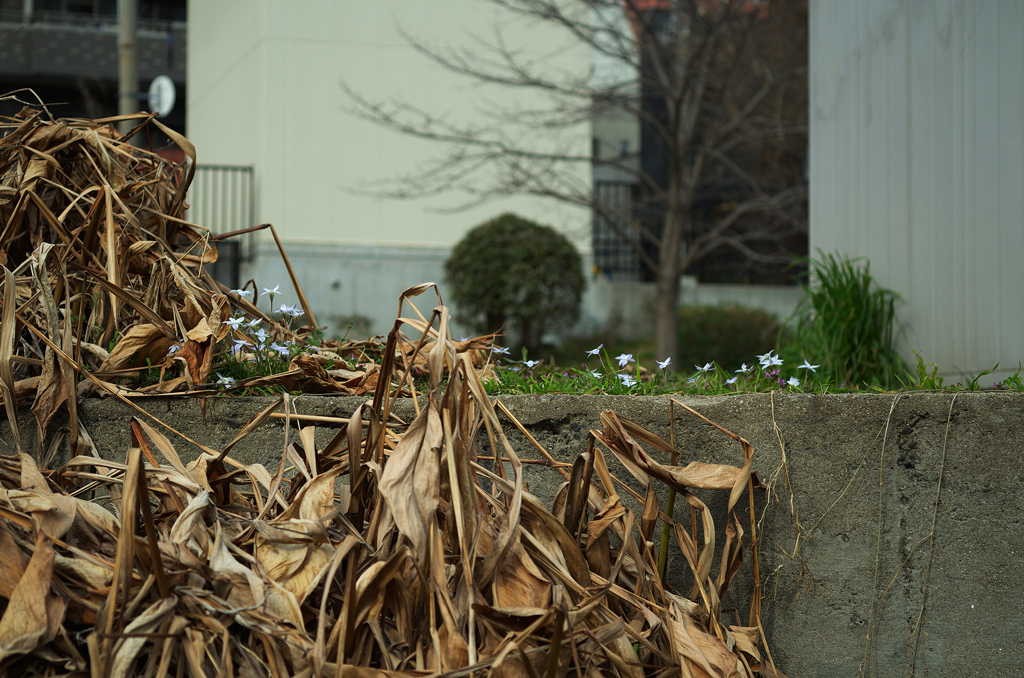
x=265, y=89
x=917, y=163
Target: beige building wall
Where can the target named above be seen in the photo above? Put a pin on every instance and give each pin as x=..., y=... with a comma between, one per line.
x=917, y=163
x=265, y=90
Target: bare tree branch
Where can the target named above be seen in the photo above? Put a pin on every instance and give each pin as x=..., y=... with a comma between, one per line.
x=716, y=88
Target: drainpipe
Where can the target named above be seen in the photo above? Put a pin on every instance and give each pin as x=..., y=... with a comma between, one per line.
x=128, y=68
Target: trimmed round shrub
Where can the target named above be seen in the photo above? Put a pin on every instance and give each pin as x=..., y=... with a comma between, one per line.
x=514, y=274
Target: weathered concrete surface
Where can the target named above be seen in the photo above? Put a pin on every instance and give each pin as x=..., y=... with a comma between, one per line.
x=860, y=510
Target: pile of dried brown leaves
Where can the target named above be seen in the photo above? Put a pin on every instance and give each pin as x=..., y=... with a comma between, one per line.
x=107, y=277
x=394, y=550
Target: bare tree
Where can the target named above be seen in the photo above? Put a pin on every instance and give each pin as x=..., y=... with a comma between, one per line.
x=719, y=88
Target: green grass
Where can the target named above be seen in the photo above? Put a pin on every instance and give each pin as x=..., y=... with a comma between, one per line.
x=515, y=378
x=846, y=323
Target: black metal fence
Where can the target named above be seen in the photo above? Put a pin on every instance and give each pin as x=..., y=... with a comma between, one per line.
x=614, y=226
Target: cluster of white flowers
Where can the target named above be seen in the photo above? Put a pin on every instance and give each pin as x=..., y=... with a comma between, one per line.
x=253, y=336
x=769, y=362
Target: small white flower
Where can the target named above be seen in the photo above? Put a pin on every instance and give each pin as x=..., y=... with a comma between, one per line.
x=173, y=349
x=276, y=290
x=809, y=366
x=243, y=293
x=662, y=364
x=499, y=350
x=690, y=380
x=595, y=351
x=793, y=381
x=531, y=363
x=626, y=379
x=624, y=358
x=239, y=343
x=295, y=311
x=774, y=361
x=707, y=367
x=515, y=368
x=765, y=359
x=731, y=381
x=253, y=323
x=235, y=322
x=224, y=381
x=594, y=373
x=261, y=336
x=280, y=348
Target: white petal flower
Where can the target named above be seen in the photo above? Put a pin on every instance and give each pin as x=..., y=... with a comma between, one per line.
x=775, y=360
x=743, y=369
x=499, y=350
x=624, y=358
x=809, y=366
x=626, y=379
x=662, y=364
x=793, y=381
x=225, y=381
x=594, y=373
x=235, y=322
x=707, y=367
x=595, y=351
x=276, y=290
x=531, y=363
x=731, y=381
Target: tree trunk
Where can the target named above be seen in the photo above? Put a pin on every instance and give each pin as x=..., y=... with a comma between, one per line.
x=666, y=301
x=666, y=318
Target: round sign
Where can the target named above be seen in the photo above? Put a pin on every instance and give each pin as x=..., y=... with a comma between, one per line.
x=161, y=96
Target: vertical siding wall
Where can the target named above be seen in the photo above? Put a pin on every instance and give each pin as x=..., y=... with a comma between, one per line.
x=917, y=163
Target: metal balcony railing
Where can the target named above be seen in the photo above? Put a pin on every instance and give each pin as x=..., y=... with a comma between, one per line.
x=94, y=20
x=222, y=198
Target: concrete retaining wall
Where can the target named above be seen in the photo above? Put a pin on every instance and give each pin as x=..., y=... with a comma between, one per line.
x=858, y=493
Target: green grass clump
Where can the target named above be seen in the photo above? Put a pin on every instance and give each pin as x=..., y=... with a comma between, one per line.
x=846, y=322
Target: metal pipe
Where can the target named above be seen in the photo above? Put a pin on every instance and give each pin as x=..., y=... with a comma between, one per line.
x=128, y=67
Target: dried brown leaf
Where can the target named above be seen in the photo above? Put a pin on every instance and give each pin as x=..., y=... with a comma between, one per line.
x=33, y=614
x=7, y=327
x=140, y=342
x=411, y=480
x=705, y=655
x=148, y=622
